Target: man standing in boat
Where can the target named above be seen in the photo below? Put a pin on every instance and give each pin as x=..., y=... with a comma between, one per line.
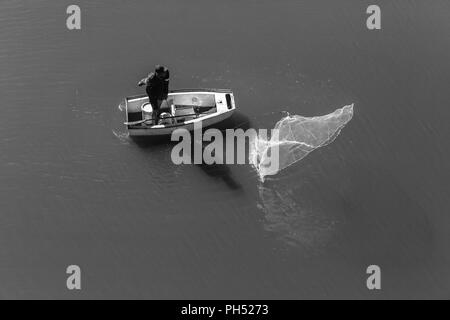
x=157, y=88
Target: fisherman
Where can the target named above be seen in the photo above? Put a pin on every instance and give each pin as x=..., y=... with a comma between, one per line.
x=157, y=88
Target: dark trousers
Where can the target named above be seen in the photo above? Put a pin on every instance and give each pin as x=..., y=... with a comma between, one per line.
x=156, y=105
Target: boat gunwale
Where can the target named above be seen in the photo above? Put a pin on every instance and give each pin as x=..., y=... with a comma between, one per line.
x=187, y=90
x=199, y=119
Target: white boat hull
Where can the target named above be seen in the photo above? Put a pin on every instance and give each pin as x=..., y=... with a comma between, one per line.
x=162, y=131
x=219, y=104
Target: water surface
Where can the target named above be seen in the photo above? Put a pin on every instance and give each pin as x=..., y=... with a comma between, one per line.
x=75, y=190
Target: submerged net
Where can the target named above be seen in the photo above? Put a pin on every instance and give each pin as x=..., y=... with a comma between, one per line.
x=294, y=137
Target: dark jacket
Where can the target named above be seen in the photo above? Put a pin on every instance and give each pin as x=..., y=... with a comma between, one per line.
x=156, y=88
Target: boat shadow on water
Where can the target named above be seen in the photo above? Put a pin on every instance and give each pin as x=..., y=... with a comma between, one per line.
x=220, y=172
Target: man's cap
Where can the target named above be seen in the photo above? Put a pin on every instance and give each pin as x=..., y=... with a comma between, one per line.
x=159, y=69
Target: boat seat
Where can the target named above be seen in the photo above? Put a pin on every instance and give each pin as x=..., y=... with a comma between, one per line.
x=186, y=112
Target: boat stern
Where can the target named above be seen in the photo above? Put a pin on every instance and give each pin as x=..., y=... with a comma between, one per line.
x=225, y=102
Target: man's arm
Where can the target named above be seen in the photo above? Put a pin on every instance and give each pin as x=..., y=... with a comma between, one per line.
x=146, y=80
x=142, y=82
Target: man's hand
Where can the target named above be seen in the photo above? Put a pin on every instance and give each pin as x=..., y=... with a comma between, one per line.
x=142, y=82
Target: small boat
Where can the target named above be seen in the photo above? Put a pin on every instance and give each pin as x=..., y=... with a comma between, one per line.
x=182, y=109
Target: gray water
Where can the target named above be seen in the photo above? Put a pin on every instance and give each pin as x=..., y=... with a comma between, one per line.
x=75, y=190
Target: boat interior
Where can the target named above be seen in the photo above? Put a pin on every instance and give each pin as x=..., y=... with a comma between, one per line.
x=177, y=109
